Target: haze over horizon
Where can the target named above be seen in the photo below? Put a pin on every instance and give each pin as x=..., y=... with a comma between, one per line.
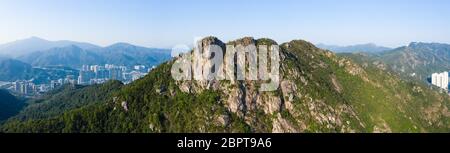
x=164, y=24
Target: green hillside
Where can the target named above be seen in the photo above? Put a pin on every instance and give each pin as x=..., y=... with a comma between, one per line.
x=67, y=98
x=319, y=92
x=9, y=105
x=418, y=60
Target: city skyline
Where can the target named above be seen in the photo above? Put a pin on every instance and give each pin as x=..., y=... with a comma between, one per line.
x=87, y=75
x=164, y=24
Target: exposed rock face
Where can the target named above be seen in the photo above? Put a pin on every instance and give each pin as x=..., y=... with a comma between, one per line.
x=336, y=84
x=235, y=101
x=281, y=125
x=205, y=42
x=124, y=105
x=289, y=90
x=383, y=127
x=196, y=62
x=269, y=104
x=224, y=120
x=243, y=41
x=310, y=93
x=244, y=99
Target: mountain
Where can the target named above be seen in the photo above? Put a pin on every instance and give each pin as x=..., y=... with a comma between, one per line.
x=14, y=70
x=118, y=54
x=417, y=60
x=127, y=54
x=369, y=48
x=72, y=56
x=33, y=44
x=41, y=53
x=9, y=105
x=318, y=92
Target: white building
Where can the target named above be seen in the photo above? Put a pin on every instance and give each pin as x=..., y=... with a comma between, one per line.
x=139, y=67
x=440, y=79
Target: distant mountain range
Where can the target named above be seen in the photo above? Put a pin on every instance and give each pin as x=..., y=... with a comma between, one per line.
x=40, y=52
x=72, y=56
x=33, y=44
x=12, y=70
x=369, y=48
x=418, y=59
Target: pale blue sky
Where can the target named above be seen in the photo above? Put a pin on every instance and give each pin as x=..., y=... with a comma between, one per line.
x=165, y=23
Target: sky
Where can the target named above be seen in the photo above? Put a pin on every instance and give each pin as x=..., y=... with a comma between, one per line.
x=166, y=23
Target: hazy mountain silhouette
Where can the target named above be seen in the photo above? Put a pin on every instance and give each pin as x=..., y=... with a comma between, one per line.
x=33, y=44
x=370, y=48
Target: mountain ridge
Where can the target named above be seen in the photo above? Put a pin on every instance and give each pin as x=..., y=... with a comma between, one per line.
x=418, y=60
x=368, y=47
x=118, y=54
x=33, y=44
x=318, y=92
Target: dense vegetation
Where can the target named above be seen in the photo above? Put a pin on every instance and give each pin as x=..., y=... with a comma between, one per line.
x=381, y=100
x=9, y=105
x=67, y=98
x=149, y=111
